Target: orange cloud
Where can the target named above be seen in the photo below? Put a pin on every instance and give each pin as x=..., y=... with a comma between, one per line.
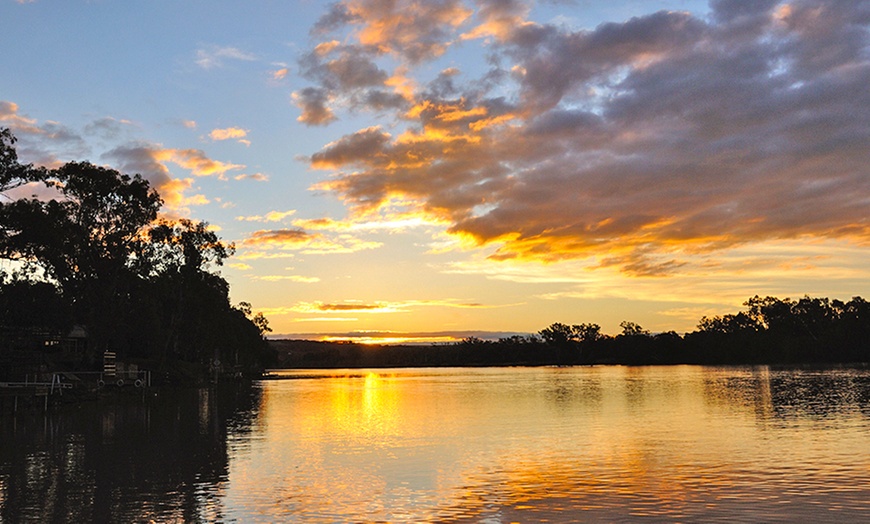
x=10, y=117
x=259, y=177
x=228, y=133
x=271, y=216
x=308, y=243
x=150, y=161
x=655, y=150
x=385, y=307
x=414, y=30
x=196, y=161
x=290, y=278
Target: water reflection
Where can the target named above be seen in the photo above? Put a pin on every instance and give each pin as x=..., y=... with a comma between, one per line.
x=561, y=444
x=121, y=459
x=609, y=444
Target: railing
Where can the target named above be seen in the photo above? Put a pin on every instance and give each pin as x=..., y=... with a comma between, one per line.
x=139, y=379
x=35, y=388
x=55, y=384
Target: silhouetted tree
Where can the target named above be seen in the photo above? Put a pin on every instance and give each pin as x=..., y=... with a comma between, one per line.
x=85, y=240
x=12, y=173
x=631, y=329
x=558, y=334
x=138, y=285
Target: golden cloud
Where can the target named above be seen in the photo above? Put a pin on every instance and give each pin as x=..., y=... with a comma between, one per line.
x=196, y=161
x=271, y=216
x=384, y=307
x=291, y=278
x=312, y=244
x=259, y=177
x=228, y=133
x=648, y=154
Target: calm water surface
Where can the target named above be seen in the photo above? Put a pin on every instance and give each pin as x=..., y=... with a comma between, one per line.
x=689, y=444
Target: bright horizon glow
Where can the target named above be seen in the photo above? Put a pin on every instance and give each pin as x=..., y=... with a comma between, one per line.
x=432, y=171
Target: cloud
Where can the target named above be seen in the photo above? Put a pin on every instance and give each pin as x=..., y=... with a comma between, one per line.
x=365, y=145
x=215, y=56
x=271, y=216
x=291, y=278
x=344, y=308
x=390, y=337
x=143, y=159
x=391, y=221
x=637, y=145
x=150, y=161
x=416, y=31
x=498, y=18
x=230, y=133
x=10, y=117
x=48, y=143
x=280, y=74
x=259, y=177
x=314, y=103
x=263, y=255
x=350, y=74
x=196, y=161
x=51, y=143
x=107, y=127
x=383, y=307
x=308, y=243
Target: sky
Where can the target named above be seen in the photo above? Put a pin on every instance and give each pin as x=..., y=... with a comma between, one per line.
x=395, y=170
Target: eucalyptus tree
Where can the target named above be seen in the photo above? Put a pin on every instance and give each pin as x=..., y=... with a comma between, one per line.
x=87, y=240
x=135, y=282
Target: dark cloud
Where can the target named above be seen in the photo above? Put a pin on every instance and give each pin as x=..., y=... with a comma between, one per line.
x=284, y=237
x=364, y=145
x=48, y=143
x=338, y=15
x=348, y=307
x=343, y=67
x=139, y=158
x=107, y=128
x=639, y=142
x=314, y=104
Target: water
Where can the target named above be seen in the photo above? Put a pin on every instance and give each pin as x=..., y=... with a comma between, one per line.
x=689, y=444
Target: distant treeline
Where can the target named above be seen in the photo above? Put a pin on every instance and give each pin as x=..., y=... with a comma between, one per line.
x=769, y=331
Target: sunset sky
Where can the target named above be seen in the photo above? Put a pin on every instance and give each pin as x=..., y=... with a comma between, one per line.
x=434, y=169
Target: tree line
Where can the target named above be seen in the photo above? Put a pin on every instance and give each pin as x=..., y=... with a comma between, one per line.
x=769, y=331
x=91, y=252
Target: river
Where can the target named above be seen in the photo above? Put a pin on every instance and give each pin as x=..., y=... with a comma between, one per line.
x=576, y=444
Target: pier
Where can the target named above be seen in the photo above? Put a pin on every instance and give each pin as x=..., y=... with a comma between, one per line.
x=35, y=388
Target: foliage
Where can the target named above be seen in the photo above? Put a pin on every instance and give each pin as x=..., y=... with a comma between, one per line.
x=12, y=173
x=97, y=253
x=561, y=334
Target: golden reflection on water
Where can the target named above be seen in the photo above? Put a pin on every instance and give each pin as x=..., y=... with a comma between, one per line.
x=608, y=443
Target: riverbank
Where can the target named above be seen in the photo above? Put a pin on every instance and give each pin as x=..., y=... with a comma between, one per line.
x=659, y=349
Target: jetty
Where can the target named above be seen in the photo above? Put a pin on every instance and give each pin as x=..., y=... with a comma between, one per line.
x=35, y=388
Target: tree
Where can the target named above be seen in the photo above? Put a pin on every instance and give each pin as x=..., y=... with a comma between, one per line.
x=139, y=285
x=12, y=173
x=184, y=246
x=88, y=240
x=729, y=324
x=630, y=329
x=587, y=332
x=558, y=334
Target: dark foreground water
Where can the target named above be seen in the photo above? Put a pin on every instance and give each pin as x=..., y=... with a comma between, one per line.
x=688, y=444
